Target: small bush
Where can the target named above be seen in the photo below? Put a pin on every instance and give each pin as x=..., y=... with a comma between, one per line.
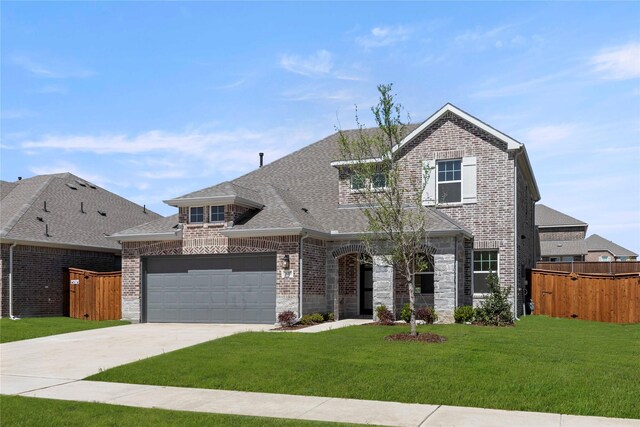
x=405, y=314
x=427, y=315
x=463, y=314
x=287, y=318
x=312, y=319
x=495, y=310
x=328, y=317
x=385, y=316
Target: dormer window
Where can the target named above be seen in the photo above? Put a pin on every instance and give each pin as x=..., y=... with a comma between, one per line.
x=216, y=214
x=378, y=181
x=357, y=182
x=196, y=215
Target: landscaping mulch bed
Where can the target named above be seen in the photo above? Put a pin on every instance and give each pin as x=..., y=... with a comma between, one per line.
x=421, y=337
x=290, y=328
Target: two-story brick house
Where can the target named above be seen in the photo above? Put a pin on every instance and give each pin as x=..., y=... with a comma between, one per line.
x=287, y=235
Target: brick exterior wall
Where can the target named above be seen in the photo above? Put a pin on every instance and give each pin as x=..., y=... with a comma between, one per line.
x=562, y=233
x=231, y=214
x=199, y=239
x=38, y=277
x=314, y=271
x=594, y=256
x=348, y=273
x=526, y=242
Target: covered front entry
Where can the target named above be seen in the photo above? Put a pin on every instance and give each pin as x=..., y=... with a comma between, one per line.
x=229, y=288
x=366, y=289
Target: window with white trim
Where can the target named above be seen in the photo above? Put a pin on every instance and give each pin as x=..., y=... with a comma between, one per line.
x=484, y=262
x=604, y=258
x=449, y=184
x=196, y=214
x=378, y=181
x=423, y=277
x=357, y=182
x=216, y=214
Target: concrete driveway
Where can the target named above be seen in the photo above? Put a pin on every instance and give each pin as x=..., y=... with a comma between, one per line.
x=58, y=359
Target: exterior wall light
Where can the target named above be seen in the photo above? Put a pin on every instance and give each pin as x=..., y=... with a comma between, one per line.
x=286, y=264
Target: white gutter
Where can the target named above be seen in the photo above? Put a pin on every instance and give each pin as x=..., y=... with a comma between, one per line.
x=149, y=237
x=11, y=316
x=300, y=273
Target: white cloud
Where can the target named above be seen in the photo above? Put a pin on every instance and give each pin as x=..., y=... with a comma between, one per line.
x=339, y=95
x=54, y=70
x=384, y=36
x=51, y=89
x=618, y=63
x=15, y=114
x=62, y=166
x=317, y=64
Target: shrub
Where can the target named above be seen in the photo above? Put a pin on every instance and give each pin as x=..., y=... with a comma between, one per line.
x=427, y=315
x=463, y=314
x=495, y=310
x=385, y=316
x=312, y=319
x=328, y=317
x=287, y=318
x=405, y=314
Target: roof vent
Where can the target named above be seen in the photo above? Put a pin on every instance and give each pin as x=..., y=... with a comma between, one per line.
x=71, y=186
x=46, y=230
x=91, y=185
x=261, y=158
x=19, y=178
x=305, y=210
x=103, y=213
x=39, y=218
x=45, y=206
x=82, y=207
x=81, y=183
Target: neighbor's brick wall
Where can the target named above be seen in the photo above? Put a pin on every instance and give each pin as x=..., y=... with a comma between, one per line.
x=38, y=277
x=201, y=239
x=491, y=219
x=562, y=233
x=594, y=256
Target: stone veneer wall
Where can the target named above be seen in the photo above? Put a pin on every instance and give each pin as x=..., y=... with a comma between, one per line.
x=200, y=239
x=38, y=277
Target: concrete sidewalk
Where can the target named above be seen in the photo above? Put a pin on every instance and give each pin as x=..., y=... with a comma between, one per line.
x=309, y=407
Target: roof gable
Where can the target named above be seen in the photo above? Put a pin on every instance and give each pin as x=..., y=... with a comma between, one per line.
x=548, y=217
x=596, y=242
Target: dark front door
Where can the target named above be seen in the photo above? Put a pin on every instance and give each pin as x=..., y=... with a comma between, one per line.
x=366, y=289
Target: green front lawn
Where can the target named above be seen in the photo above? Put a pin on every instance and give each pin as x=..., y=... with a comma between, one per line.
x=542, y=364
x=26, y=411
x=34, y=327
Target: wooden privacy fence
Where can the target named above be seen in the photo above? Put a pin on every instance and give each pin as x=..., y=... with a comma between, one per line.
x=592, y=267
x=605, y=298
x=95, y=296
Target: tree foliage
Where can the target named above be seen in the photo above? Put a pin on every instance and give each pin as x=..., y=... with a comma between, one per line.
x=391, y=191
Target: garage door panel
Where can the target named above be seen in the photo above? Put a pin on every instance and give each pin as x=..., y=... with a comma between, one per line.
x=213, y=296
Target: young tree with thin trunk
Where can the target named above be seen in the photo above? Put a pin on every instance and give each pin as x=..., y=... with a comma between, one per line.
x=390, y=198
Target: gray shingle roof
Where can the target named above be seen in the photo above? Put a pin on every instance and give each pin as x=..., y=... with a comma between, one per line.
x=225, y=189
x=545, y=217
x=159, y=225
x=563, y=247
x=596, y=243
x=23, y=218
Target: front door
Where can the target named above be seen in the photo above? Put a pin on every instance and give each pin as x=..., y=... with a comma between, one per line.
x=366, y=289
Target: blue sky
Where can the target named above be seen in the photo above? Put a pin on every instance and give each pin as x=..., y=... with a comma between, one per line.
x=154, y=100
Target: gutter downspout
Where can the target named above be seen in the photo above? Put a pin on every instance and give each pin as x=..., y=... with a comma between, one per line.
x=304, y=236
x=515, y=235
x=11, y=316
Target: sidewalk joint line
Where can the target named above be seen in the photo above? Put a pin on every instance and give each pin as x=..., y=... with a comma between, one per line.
x=49, y=386
x=318, y=405
x=428, y=415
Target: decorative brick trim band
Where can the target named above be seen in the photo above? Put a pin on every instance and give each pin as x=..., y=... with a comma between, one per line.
x=448, y=154
x=486, y=244
x=348, y=249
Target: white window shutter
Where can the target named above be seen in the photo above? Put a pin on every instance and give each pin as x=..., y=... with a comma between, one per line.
x=429, y=192
x=469, y=180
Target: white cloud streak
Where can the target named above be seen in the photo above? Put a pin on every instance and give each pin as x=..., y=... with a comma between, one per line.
x=54, y=70
x=618, y=63
x=317, y=64
x=384, y=36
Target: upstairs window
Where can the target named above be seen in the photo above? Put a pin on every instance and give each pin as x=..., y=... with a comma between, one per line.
x=378, y=181
x=484, y=262
x=357, y=182
x=196, y=215
x=449, y=185
x=216, y=214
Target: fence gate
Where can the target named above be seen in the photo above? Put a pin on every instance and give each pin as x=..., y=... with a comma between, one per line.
x=95, y=296
x=602, y=297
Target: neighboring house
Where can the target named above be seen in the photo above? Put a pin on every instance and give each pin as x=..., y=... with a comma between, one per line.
x=49, y=223
x=284, y=236
x=601, y=249
x=561, y=236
